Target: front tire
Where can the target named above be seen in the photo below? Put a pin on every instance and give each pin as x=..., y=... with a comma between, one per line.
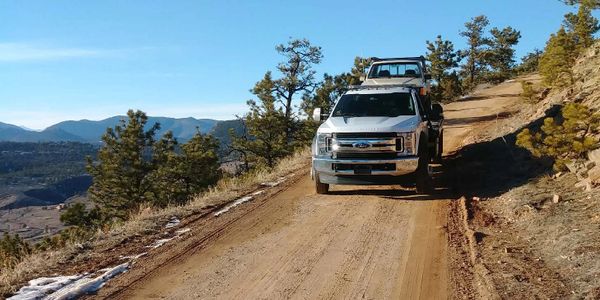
x=321, y=188
x=424, y=182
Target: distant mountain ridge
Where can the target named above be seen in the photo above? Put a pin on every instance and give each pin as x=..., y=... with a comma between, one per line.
x=91, y=131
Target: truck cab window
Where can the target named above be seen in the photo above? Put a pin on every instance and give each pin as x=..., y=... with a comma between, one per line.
x=375, y=105
x=395, y=70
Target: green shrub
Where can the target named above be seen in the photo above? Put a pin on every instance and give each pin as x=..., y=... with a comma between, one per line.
x=12, y=250
x=565, y=139
x=529, y=93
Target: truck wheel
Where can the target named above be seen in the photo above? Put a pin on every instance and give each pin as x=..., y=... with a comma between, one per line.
x=440, y=149
x=424, y=182
x=321, y=188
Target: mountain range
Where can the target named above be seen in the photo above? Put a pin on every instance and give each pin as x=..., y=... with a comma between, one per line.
x=91, y=131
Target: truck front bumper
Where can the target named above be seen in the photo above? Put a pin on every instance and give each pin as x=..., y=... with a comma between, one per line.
x=330, y=173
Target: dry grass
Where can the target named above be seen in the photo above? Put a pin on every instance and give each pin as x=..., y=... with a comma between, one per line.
x=146, y=221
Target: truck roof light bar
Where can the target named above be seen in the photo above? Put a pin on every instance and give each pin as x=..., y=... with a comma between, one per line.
x=382, y=86
x=420, y=58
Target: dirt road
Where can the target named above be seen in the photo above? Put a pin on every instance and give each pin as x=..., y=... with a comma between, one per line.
x=357, y=242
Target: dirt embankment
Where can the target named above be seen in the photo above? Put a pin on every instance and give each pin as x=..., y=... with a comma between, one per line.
x=535, y=236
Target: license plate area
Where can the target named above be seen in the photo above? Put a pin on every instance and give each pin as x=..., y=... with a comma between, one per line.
x=363, y=169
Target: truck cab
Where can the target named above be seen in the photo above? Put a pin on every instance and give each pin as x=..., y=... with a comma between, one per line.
x=379, y=133
x=398, y=71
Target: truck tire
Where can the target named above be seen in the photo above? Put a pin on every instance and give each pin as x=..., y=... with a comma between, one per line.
x=321, y=188
x=424, y=182
x=439, y=151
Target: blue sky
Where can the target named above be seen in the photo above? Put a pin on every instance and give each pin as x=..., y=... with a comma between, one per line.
x=70, y=60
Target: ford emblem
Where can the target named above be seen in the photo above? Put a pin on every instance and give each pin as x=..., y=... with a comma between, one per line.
x=361, y=145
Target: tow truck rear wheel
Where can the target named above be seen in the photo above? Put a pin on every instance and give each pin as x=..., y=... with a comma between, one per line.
x=424, y=182
x=321, y=188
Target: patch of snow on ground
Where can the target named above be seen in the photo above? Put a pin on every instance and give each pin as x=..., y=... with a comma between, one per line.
x=133, y=257
x=274, y=183
x=160, y=242
x=173, y=222
x=182, y=231
x=232, y=205
x=41, y=287
x=258, y=193
x=88, y=284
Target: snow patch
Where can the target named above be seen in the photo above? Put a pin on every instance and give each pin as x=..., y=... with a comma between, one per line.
x=88, y=284
x=133, y=257
x=173, y=222
x=41, y=287
x=232, y=205
x=160, y=242
x=182, y=231
x=274, y=183
x=258, y=193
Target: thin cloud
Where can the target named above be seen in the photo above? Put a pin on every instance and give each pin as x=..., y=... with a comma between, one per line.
x=24, y=52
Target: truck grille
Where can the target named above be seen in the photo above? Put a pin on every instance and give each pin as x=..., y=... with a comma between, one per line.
x=367, y=145
x=366, y=155
x=364, y=135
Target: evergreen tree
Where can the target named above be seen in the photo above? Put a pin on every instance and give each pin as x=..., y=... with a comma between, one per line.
x=121, y=176
x=585, y=27
x=332, y=87
x=267, y=126
x=565, y=139
x=298, y=77
x=582, y=25
x=500, y=56
x=77, y=215
x=451, y=87
x=12, y=250
x=558, y=59
x=185, y=171
x=442, y=58
x=475, y=53
x=590, y=3
x=529, y=62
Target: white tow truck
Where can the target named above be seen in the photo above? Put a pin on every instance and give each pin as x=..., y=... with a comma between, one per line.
x=385, y=131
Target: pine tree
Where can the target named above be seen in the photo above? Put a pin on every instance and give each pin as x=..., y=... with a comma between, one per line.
x=565, y=139
x=183, y=171
x=12, y=250
x=529, y=62
x=500, y=55
x=121, y=175
x=586, y=26
x=332, y=87
x=266, y=139
x=298, y=77
x=451, y=87
x=442, y=58
x=557, y=60
x=475, y=54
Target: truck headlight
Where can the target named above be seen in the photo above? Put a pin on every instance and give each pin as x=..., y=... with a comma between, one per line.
x=323, y=144
x=408, y=140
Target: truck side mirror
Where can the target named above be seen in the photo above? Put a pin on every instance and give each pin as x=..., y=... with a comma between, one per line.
x=362, y=77
x=427, y=76
x=317, y=114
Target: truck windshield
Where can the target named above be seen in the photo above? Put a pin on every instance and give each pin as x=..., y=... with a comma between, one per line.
x=395, y=70
x=375, y=105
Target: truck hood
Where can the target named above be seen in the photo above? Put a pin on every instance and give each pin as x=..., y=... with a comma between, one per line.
x=400, y=80
x=370, y=124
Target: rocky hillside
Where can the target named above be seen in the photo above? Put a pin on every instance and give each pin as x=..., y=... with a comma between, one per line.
x=535, y=230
